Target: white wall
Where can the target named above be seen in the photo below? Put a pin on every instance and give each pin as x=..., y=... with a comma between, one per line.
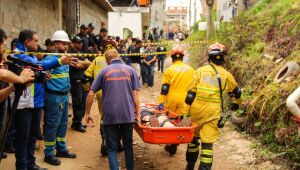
x=202, y=25
x=119, y=20
x=157, y=13
x=224, y=10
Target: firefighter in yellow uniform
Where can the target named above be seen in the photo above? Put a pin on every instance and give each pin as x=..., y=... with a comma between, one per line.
x=175, y=83
x=204, y=105
x=91, y=73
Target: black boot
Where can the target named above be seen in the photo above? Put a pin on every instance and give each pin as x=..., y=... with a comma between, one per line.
x=36, y=167
x=103, y=150
x=204, y=166
x=192, y=153
x=206, y=157
x=190, y=166
x=52, y=160
x=172, y=149
x=78, y=127
x=66, y=154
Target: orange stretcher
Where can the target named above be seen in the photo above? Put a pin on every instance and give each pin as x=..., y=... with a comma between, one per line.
x=163, y=135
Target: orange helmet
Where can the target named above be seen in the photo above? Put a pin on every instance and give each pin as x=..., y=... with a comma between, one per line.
x=177, y=52
x=216, y=49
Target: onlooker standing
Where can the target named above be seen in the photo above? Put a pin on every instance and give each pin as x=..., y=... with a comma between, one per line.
x=136, y=60
x=13, y=44
x=125, y=58
x=31, y=103
x=101, y=38
x=120, y=86
x=161, y=58
x=149, y=60
x=180, y=36
x=83, y=36
x=77, y=91
x=91, y=38
x=56, y=104
x=49, y=45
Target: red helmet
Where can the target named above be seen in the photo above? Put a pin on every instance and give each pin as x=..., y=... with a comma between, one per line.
x=177, y=51
x=216, y=49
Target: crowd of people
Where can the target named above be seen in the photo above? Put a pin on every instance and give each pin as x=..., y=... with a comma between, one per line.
x=67, y=74
x=115, y=80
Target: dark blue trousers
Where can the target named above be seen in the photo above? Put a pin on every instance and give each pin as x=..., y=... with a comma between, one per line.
x=27, y=128
x=112, y=139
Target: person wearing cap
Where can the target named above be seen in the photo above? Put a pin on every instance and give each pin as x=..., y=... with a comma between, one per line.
x=161, y=58
x=13, y=44
x=56, y=103
x=100, y=38
x=175, y=83
x=92, y=38
x=136, y=59
x=84, y=37
x=31, y=102
x=77, y=91
x=49, y=45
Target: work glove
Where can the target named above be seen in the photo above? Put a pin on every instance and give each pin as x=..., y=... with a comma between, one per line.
x=234, y=107
x=184, y=116
x=222, y=121
x=160, y=107
x=185, y=121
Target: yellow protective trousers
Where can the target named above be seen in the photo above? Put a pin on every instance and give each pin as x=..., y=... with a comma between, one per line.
x=205, y=111
x=179, y=77
x=93, y=70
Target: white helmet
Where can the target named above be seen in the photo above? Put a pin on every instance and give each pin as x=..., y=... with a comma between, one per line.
x=60, y=35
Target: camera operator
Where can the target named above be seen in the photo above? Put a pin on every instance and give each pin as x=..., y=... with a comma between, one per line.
x=31, y=103
x=7, y=76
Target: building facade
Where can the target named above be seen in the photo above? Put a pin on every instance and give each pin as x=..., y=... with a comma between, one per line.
x=176, y=19
x=47, y=16
x=158, y=8
x=129, y=21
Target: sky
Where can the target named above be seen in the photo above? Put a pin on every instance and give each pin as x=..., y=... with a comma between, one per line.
x=177, y=2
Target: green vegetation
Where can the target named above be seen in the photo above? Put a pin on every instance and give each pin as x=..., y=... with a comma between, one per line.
x=270, y=30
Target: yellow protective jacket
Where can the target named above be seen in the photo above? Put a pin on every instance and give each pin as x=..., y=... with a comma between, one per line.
x=179, y=76
x=206, y=108
x=92, y=71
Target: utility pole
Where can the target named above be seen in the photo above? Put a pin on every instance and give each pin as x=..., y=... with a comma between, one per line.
x=209, y=18
x=190, y=14
x=195, y=11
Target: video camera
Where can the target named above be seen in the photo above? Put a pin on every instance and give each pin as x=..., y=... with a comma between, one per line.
x=18, y=65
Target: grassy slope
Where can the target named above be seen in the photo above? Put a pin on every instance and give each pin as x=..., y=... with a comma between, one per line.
x=270, y=27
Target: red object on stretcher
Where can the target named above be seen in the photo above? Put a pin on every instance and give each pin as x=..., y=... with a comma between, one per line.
x=163, y=135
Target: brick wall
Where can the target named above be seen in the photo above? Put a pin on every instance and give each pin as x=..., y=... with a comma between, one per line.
x=41, y=16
